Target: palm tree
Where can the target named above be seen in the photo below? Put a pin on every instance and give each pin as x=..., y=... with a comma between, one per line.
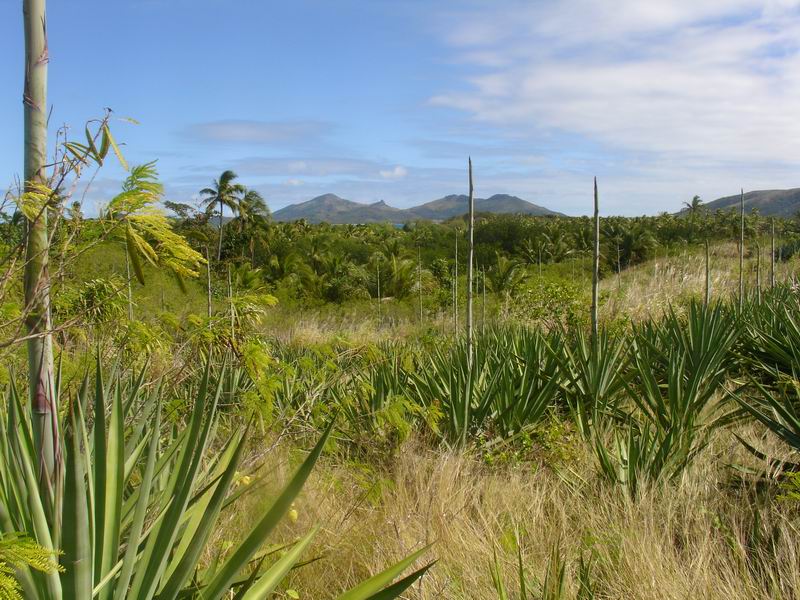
x=253, y=220
x=251, y=206
x=505, y=277
x=694, y=206
x=223, y=192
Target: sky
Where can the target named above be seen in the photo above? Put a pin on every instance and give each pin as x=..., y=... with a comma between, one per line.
x=385, y=99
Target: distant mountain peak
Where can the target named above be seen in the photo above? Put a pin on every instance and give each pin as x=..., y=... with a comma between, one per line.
x=333, y=209
x=770, y=203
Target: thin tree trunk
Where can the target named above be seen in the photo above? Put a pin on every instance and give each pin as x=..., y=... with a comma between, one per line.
x=419, y=280
x=41, y=382
x=219, y=244
x=453, y=295
x=470, y=254
x=455, y=290
x=741, y=251
x=595, y=262
x=230, y=307
x=130, y=287
x=378, y=267
x=619, y=270
x=772, y=257
x=540, y=263
x=708, y=276
x=758, y=272
x=483, y=302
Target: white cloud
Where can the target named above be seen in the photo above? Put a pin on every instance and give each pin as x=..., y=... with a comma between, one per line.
x=714, y=82
x=397, y=173
x=293, y=182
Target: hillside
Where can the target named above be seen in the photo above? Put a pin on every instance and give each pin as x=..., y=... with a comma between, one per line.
x=773, y=203
x=333, y=209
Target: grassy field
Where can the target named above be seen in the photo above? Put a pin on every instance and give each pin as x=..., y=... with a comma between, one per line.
x=714, y=530
x=616, y=471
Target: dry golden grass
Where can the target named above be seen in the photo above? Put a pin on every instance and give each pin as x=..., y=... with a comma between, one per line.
x=712, y=534
x=652, y=287
x=692, y=538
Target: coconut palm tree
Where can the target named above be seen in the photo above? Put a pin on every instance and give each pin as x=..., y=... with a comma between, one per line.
x=253, y=221
x=694, y=206
x=223, y=192
x=505, y=277
x=251, y=206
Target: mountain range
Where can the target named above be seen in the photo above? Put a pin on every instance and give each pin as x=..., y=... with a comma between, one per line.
x=770, y=203
x=331, y=208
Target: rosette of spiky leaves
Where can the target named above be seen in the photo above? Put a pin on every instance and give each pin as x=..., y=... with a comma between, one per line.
x=140, y=501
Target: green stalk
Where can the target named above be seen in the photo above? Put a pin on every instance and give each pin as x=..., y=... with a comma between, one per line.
x=130, y=289
x=455, y=289
x=219, y=246
x=741, y=251
x=208, y=286
x=36, y=276
x=772, y=257
x=708, y=276
x=419, y=280
x=758, y=272
x=470, y=259
x=595, y=262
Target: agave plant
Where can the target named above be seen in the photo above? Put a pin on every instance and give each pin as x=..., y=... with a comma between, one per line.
x=511, y=382
x=140, y=501
x=678, y=369
x=530, y=382
x=592, y=378
x=778, y=409
x=635, y=455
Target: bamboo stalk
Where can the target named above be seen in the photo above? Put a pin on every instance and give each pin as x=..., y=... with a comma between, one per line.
x=41, y=382
x=595, y=262
x=470, y=255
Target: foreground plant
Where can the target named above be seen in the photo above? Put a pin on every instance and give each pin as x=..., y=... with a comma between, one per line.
x=553, y=585
x=21, y=552
x=139, y=502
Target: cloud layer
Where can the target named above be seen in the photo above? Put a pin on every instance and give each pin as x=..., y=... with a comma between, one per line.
x=661, y=99
x=700, y=80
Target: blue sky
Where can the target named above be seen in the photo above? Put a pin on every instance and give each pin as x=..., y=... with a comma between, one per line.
x=386, y=99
